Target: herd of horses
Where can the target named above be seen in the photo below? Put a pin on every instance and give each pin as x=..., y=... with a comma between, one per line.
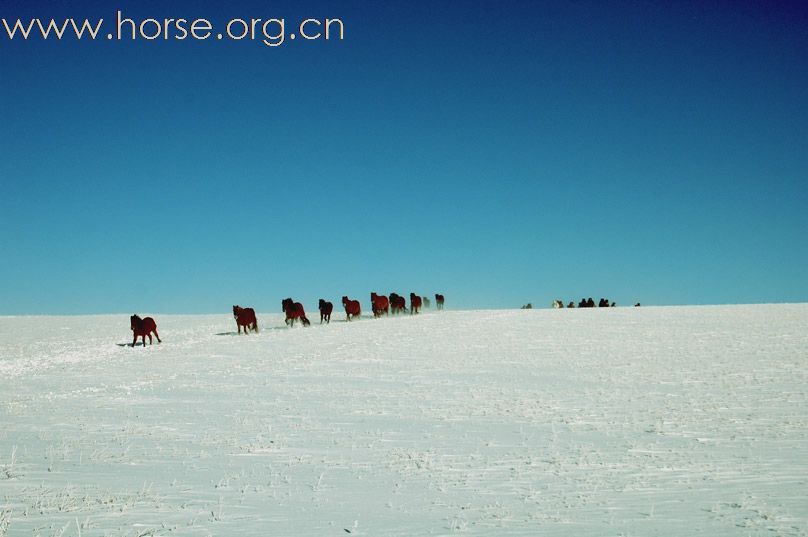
x=294, y=311
x=379, y=305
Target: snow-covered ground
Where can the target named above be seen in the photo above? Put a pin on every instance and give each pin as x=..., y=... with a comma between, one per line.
x=625, y=421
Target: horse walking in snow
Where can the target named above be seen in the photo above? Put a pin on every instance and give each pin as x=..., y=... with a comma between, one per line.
x=397, y=303
x=415, y=303
x=245, y=317
x=439, y=301
x=294, y=310
x=142, y=328
x=380, y=305
x=352, y=308
x=325, y=311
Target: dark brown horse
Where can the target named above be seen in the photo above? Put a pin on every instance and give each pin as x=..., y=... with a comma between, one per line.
x=352, y=308
x=439, y=301
x=397, y=303
x=325, y=311
x=294, y=310
x=143, y=328
x=415, y=303
x=245, y=317
x=379, y=304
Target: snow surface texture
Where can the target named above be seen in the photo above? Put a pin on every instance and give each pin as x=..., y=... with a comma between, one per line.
x=625, y=421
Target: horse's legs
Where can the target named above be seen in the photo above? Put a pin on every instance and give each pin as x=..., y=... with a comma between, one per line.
x=157, y=336
x=151, y=341
x=134, y=341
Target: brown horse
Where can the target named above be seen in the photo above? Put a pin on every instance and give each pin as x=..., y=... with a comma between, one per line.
x=415, y=303
x=352, y=307
x=439, y=301
x=245, y=317
x=379, y=304
x=294, y=310
x=143, y=328
x=397, y=303
x=325, y=311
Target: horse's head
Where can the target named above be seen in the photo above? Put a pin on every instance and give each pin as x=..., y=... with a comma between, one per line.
x=286, y=303
x=344, y=300
x=322, y=302
x=135, y=322
x=236, y=310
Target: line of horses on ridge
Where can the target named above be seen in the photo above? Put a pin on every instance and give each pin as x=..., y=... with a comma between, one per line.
x=246, y=319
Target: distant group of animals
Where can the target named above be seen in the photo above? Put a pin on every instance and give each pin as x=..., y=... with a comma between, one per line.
x=587, y=303
x=246, y=319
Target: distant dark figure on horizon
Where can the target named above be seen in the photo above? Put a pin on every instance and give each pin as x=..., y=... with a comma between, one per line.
x=352, y=308
x=637, y=305
x=571, y=304
x=613, y=304
x=527, y=306
x=427, y=303
x=590, y=303
x=439, y=301
x=379, y=305
x=397, y=303
x=325, y=311
x=294, y=310
x=245, y=317
x=415, y=303
x=557, y=304
x=142, y=328
x=603, y=303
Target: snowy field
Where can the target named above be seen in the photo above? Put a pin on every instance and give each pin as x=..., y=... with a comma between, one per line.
x=629, y=421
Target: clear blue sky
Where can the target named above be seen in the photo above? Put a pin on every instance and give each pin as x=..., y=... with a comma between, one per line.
x=498, y=152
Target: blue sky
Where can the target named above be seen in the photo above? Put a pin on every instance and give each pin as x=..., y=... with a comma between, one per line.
x=497, y=152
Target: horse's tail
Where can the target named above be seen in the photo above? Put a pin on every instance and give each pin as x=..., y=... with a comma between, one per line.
x=255, y=325
x=305, y=320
